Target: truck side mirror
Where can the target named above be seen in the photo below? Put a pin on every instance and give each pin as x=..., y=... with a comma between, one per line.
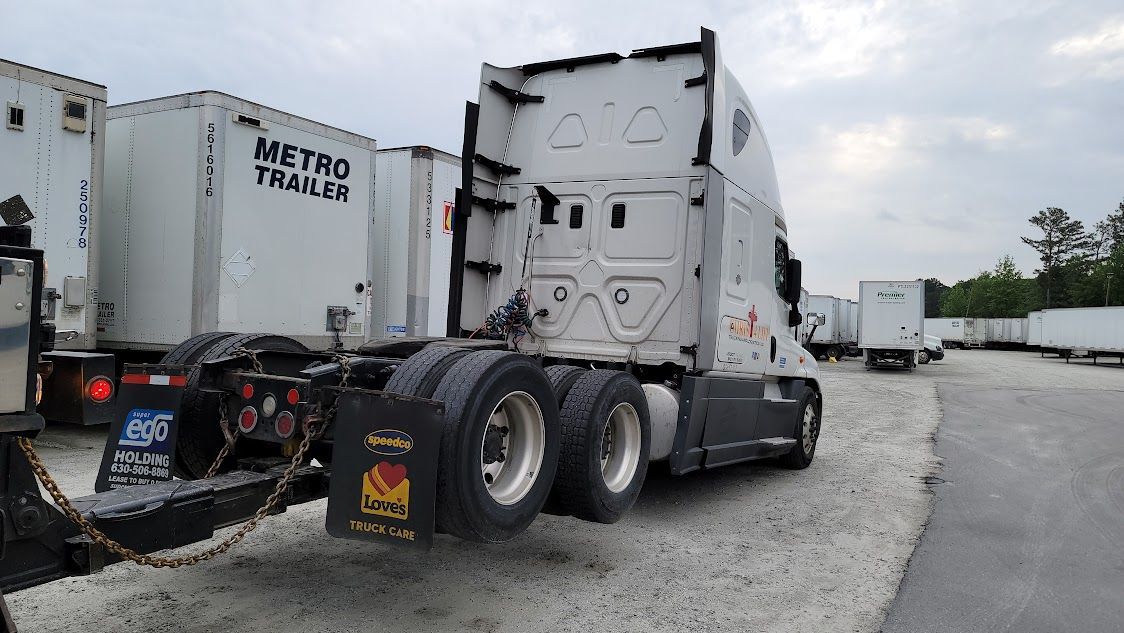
x=792, y=282
x=817, y=319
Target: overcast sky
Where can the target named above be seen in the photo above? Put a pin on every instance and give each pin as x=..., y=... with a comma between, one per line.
x=912, y=139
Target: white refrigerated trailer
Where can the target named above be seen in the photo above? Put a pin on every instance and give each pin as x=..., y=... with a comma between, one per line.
x=412, y=240
x=854, y=324
x=975, y=332
x=829, y=339
x=1091, y=332
x=225, y=215
x=891, y=322
x=51, y=164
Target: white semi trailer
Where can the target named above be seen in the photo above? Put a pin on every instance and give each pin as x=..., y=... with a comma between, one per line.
x=950, y=331
x=412, y=241
x=1091, y=332
x=51, y=165
x=830, y=339
x=213, y=208
x=1006, y=332
x=891, y=322
x=1034, y=328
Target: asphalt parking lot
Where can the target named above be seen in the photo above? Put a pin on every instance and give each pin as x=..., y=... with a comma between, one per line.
x=750, y=547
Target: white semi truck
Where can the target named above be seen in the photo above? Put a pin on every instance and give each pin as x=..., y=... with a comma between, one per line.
x=626, y=293
x=891, y=322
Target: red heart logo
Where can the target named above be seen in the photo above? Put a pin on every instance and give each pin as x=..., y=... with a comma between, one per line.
x=386, y=476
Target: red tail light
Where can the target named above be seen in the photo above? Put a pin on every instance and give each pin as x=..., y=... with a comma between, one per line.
x=293, y=397
x=248, y=419
x=99, y=389
x=247, y=391
x=285, y=424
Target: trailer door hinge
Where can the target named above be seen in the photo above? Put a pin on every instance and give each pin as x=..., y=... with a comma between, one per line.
x=496, y=166
x=692, y=349
x=484, y=267
x=492, y=204
x=698, y=200
x=695, y=81
x=514, y=96
x=698, y=270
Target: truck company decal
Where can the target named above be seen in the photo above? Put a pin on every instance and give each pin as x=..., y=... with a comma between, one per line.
x=389, y=442
x=142, y=448
x=386, y=491
x=311, y=162
x=447, y=219
x=746, y=330
x=890, y=296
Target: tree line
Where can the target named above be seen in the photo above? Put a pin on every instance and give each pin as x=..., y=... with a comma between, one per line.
x=1080, y=268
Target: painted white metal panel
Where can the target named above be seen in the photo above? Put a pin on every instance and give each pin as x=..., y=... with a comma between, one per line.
x=1084, y=329
x=446, y=171
x=1034, y=328
x=854, y=325
x=58, y=172
x=148, y=241
x=891, y=314
x=389, y=247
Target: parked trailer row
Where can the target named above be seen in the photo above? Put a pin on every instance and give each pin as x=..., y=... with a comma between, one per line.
x=980, y=332
x=598, y=256
x=212, y=207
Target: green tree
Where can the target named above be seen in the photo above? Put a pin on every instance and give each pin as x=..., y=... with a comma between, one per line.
x=1063, y=241
x=933, y=291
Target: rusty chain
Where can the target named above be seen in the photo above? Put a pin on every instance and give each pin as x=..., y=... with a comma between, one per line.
x=311, y=433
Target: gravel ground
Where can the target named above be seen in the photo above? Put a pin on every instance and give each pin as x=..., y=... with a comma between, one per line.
x=742, y=548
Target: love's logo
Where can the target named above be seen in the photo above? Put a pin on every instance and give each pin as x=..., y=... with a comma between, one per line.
x=386, y=491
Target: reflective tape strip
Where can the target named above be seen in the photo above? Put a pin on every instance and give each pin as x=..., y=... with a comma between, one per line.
x=144, y=379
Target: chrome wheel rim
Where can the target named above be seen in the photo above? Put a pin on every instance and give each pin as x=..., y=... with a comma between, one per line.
x=620, y=447
x=512, y=448
x=811, y=429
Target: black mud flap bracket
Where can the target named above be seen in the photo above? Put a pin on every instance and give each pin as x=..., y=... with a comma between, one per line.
x=384, y=468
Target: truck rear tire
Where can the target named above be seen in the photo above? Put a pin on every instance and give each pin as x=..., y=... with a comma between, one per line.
x=420, y=374
x=199, y=438
x=562, y=378
x=189, y=351
x=499, y=446
x=606, y=441
x=923, y=357
x=806, y=432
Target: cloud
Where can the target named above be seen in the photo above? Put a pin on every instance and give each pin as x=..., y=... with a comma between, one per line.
x=1098, y=54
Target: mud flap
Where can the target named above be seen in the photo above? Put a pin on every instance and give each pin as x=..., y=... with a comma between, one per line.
x=141, y=445
x=384, y=468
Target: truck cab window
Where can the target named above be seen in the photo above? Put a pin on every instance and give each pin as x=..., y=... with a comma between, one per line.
x=741, y=131
x=780, y=265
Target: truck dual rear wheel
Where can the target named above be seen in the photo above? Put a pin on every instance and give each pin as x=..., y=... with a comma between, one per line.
x=606, y=440
x=189, y=351
x=420, y=374
x=499, y=446
x=806, y=431
x=199, y=438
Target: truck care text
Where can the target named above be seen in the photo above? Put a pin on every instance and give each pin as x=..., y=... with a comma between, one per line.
x=312, y=162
